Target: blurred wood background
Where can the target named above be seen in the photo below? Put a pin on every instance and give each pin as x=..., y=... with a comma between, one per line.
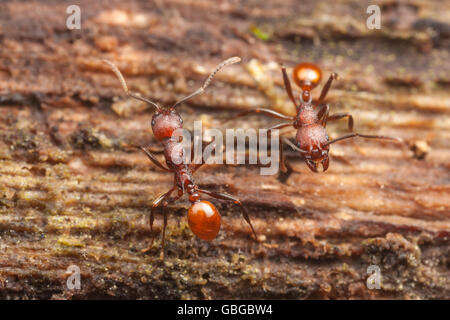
x=71, y=193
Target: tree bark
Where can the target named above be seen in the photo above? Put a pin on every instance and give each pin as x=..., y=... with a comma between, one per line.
x=73, y=193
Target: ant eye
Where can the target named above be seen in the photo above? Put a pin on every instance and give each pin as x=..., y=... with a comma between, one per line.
x=204, y=220
x=307, y=75
x=153, y=122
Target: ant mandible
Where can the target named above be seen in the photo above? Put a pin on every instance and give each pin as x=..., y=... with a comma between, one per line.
x=203, y=216
x=311, y=118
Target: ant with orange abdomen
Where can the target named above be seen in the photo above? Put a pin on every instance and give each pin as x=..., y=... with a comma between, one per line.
x=311, y=119
x=203, y=216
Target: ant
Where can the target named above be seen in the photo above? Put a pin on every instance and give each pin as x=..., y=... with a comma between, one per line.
x=311, y=118
x=203, y=216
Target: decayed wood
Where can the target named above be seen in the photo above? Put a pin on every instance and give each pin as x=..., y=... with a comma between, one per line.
x=72, y=193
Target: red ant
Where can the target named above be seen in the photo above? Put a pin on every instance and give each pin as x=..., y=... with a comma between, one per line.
x=203, y=216
x=311, y=119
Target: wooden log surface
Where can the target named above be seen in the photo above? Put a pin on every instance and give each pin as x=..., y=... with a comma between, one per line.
x=72, y=193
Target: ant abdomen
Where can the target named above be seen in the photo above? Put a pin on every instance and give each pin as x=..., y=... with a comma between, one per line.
x=307, y=75
x=204, y=220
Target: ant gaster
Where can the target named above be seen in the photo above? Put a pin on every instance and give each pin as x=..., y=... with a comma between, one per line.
x=203, y=216
x=311, y=119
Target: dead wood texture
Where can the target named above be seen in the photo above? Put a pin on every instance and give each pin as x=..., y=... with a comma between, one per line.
x=72, y=193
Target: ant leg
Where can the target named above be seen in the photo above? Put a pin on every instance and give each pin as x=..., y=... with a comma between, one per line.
x=154, y=160
x=283, y=167
x=195, y=167
x=154, y=150
x=312, y=165
x=322, y=114
x=156, y=203
x=287, y=86
x=208, y=81
x=165, y=224
x=266, y=112
x=338, y=116
x=352, y=135
x=129, y=147
x=326, y=87
x=224, y=196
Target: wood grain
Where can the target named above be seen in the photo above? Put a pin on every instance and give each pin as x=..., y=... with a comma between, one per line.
x=72, y=193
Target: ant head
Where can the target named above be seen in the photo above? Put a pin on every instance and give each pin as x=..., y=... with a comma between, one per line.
x=313, y=159
x=311, y=142
x=307, y=76
x=204, y=220
x=165, y=122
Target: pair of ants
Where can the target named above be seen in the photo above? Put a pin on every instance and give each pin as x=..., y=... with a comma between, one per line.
x=312, y=143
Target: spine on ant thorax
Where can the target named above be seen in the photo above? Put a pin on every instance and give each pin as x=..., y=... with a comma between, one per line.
x=177, y=161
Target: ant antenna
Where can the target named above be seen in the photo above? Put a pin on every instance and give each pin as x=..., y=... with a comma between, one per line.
x=208, y=81
x=125, y=87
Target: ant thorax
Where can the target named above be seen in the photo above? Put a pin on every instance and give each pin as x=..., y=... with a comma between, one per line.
x=306, y=115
